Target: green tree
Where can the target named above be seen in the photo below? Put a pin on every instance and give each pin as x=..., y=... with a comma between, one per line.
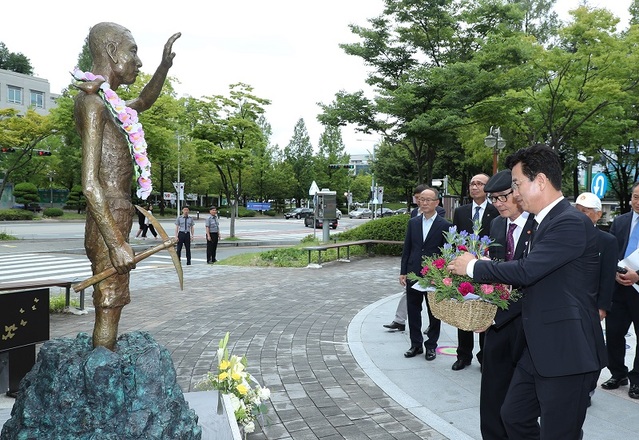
x=26, y=193
x=76, y=199
x=16, y=62
x=299, y=155
x=226, y=132
x=24, y=134
x=332, y=151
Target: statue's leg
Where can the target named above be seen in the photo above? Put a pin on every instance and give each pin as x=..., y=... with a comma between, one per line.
x=105, y=331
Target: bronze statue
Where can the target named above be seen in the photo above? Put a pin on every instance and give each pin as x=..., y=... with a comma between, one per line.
x=107, y=167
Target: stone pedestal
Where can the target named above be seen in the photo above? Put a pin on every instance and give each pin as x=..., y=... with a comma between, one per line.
x=77, y=392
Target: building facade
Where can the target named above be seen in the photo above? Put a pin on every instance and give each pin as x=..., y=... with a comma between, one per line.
x=21, y=92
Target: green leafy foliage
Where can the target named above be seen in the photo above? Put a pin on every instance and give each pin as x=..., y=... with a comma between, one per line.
x=58, y=303
x=26, y=193
x=386, y=228
x=16, y=214
x=53, y=212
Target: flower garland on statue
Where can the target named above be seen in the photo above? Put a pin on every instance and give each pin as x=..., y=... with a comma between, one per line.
x=435, y=275
x=127, y=118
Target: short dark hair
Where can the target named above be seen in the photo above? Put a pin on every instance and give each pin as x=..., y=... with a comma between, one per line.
x=213, y=207
x=537, y=159
x=419, y=188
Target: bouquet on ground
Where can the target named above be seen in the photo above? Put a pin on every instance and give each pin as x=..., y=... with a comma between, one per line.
x=458, y=294
x=246, y=395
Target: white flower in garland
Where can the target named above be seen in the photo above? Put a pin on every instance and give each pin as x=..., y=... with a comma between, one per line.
x=127, y=119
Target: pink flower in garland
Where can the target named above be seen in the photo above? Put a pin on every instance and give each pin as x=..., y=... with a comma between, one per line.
x=462, y=248
x=465, y=288
x=424, y=270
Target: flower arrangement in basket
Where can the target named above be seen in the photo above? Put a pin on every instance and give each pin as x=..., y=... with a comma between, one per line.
x=232, y=378
x=456, y=299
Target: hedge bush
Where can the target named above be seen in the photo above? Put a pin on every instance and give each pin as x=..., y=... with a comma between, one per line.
x=385, y=228
x=16, y=214
x=53, y=212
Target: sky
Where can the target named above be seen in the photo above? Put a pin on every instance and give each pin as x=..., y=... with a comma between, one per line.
x=287, y=50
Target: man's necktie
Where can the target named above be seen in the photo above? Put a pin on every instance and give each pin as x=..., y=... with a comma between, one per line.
x=633, y=241
x=510, y=242
x=476, y=216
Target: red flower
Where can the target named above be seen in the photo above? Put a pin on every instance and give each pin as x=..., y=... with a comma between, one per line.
x=465, y=288
x=424, y=270
x=439, y=263
x=504, y=295
x=462, y=248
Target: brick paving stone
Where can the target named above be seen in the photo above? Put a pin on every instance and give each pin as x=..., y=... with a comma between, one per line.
x=291, y=323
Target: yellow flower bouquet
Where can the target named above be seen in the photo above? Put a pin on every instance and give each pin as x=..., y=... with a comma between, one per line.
x=246, y=395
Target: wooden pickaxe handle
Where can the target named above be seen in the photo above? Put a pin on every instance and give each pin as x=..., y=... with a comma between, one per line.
x=111, y=271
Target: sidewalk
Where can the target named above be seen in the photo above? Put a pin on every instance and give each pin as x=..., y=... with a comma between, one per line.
x=315, y=338
x=448, y=400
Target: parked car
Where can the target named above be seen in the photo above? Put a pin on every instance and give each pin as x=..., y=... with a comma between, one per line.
x=384, y=212
x=30, y=207
x=361, y=213
x=308, y=222
x=403, y=211
x=299, y=213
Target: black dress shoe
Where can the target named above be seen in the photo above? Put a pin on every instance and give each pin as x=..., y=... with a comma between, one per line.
x=633, y=392
x=460, y=365
x=413, y=351
x=430, y=354
x=396, y=326
x=613, y=383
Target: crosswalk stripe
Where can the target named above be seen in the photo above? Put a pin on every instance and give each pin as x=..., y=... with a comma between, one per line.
x=36, y=267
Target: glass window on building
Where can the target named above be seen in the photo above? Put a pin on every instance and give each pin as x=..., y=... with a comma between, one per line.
x=14, y=95
x=37, y=99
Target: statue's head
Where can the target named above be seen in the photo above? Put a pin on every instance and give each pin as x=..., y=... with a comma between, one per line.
x=114, y=52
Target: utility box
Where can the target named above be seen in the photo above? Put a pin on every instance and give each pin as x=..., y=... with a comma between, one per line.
x=326, y=208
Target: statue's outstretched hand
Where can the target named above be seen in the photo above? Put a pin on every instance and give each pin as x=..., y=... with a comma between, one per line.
x=168, y=55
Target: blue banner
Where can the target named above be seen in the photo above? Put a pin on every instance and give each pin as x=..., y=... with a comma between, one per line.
x=257, y=206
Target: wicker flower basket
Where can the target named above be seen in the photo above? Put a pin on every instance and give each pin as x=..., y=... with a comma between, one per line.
x=465, y=315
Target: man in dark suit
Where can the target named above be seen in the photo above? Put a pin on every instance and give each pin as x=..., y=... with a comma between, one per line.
x=590, y=204
x=401, y=313
x=625, y=303
x=560, y=275
x=503, y=343
x=464, y=218
x=424, y=238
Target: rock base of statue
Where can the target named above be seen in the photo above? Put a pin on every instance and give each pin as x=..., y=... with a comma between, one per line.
x=77, y=392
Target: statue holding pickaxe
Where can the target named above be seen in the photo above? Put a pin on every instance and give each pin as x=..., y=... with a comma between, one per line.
x=113, y=147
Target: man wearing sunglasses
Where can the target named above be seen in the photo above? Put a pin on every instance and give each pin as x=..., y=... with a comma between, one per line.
x=463, y=218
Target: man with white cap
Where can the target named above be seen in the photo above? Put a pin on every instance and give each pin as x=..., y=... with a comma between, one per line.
x=590, y=204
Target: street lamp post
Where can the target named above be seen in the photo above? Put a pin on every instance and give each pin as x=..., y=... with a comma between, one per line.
x=51, y=175
x=497, y=143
